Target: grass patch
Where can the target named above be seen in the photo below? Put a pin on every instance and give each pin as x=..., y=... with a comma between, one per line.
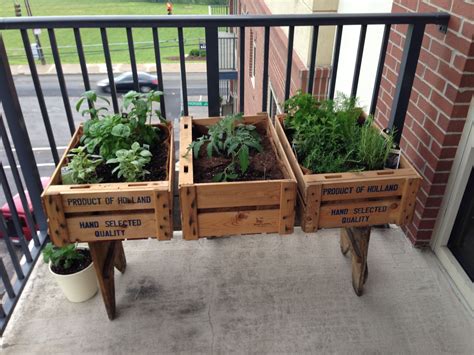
x=117, y=37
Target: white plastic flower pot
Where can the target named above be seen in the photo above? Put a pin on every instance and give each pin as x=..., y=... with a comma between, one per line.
x=80, y=286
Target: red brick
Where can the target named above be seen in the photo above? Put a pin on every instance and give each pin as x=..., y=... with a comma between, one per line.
x=457, y=42
x=421, y=86
x=434, y=201
x=464, y=96
x=454, y=22
x=460, y=62
x=422, y=197
x=434, y=131
x=462, y=8
x=441, y=102
x=430, y=213
x=429, y=157
x=409, y=4
x=467, y=29
x=396, y=51
x=421, y=133
x=429, y=59
x=426, y=224
x=450, y=125
x=444, y=165
x=460, y=111
x=416, y=159
x=441, y=51
x=434, y=79
x=437, y=190
x=449, y=73
x=421, y=237
x=452, y=140
x=425, y=7
x=467, y=81
x=444, y=4
x=396, y=38
x=427, y=107
x=450, y=92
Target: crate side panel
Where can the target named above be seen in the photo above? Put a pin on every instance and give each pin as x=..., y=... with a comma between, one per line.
x=240, y=222
x=356, y=214
x=112, y=227
x=262, y=193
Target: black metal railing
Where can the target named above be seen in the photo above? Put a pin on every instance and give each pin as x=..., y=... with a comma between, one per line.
x=20, y=135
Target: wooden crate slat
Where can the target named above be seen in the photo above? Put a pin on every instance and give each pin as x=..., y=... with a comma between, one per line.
x=189, y=218
x=185, y=159
x=58, y=230
x=112, y=227
x=287, y=207
x=248, y=193
x=215, y=224
x=163, y=214
x=362, y=213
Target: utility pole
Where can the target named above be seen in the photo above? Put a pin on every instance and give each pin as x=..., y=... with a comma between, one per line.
x=35, y=33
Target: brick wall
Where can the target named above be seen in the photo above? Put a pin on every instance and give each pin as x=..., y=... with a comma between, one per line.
x=442, y=90
x=278, y=51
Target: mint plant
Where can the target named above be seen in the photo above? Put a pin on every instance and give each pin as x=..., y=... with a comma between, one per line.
x=62, y=257
x=81, y=168
x=131, y=162
x=229, y=138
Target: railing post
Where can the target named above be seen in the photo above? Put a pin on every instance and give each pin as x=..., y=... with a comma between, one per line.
x=212, y=66
x=19, y=133
x=411, y=52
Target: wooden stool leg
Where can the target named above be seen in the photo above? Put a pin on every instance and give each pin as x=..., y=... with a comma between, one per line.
x=344, y=242
x=120, y=262
x=359, y=239
x=103, y=255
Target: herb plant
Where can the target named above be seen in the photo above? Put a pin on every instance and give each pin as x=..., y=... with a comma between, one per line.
x=131, y=162
x=91, y=97
x=63, y=257
x=232, y=139
x=81, y=168
x=332, y=136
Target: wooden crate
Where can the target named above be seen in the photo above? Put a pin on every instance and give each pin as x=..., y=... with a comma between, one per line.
x=227, y=208
x=109, y=211
x=352, y=199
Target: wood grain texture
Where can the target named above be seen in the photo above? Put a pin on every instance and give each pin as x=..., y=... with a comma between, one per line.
x=189, y=218
x=58, y=230
x=287, y=207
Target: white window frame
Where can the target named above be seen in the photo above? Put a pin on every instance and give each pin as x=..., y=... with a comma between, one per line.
x=460, y=172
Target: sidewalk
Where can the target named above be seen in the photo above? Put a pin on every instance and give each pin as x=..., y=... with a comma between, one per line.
x=69, y=69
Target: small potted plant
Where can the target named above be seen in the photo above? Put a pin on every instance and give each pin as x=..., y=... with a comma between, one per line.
x=73, y=270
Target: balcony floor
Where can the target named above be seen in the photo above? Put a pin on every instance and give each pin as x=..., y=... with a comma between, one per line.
x=253, y=294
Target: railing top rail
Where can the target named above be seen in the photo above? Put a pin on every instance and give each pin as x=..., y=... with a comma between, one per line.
x=6, y=23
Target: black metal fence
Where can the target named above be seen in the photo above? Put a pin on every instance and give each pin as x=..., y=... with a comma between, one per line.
x=20, y=135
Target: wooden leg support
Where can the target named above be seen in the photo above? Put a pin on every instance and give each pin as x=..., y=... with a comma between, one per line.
x=106, y=256
x=357, y=239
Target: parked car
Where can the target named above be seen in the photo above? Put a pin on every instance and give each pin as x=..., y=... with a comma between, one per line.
x=124, y=82
x=6, y=212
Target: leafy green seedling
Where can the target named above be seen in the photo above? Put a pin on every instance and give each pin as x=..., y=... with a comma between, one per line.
x=229, y=138
x=63, y=257
x=131, y=162
x=81, y=168
x=91, y=97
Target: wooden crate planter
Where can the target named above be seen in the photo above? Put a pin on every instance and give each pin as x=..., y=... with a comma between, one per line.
x=352, y=199
x=109, y=211
x=226, y=208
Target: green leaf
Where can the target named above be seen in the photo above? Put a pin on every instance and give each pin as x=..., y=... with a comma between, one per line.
x=244, y=160
x=121, y=130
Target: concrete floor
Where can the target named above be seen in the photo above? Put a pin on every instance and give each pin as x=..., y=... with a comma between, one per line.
x=253, y=294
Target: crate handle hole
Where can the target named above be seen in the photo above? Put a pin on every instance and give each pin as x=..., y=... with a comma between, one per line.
x=186, y=169
x=185, y=126
x=137, y=184
x=332, y=176
x=385, y=172
x=80, y=187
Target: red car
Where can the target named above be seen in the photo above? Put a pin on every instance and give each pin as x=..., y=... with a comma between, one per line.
x=5, y=210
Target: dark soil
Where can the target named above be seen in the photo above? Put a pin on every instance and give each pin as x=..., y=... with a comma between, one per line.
x=157, y=167
x=77, y=265
x=263, y=166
